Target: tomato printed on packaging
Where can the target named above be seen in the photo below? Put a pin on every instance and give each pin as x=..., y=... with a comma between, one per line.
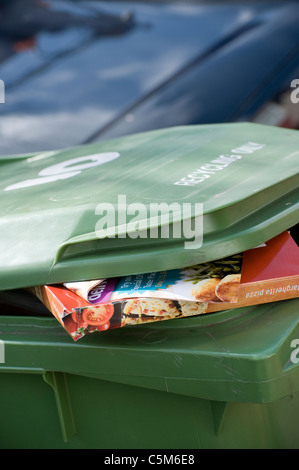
x=99, y=315
x=80, y=322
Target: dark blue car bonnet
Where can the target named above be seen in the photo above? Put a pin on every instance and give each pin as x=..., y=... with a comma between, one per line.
x=176, y=64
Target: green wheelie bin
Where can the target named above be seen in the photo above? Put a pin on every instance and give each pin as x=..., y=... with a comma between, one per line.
x=228, y=379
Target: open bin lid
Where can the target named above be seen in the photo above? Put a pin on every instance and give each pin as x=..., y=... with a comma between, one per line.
x=90, y=212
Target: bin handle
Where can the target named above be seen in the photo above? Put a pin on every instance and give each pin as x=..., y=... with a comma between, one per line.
x=77, y=240
x=119, y=233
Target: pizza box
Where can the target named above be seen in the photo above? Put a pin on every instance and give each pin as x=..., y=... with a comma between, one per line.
x=269, y=273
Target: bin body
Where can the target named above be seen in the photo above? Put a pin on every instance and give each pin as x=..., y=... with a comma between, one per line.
x=109, y=415
x=224, y=380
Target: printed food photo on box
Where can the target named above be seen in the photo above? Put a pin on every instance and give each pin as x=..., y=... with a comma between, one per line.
x=267, y=273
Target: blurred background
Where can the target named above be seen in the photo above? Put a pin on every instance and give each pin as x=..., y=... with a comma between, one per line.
x=81, y=71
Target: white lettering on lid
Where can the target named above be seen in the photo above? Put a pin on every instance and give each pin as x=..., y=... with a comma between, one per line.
x=66, y=169
x=219, y=163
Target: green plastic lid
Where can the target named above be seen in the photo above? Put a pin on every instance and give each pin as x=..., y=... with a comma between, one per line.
x=147, y=202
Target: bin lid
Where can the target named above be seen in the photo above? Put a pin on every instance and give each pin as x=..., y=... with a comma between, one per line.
x=147, y=202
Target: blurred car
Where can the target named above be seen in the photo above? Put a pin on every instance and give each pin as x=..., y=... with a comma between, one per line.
x=80, y=71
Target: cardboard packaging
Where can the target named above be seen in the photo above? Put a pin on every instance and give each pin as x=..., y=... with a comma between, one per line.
x=269, y=273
